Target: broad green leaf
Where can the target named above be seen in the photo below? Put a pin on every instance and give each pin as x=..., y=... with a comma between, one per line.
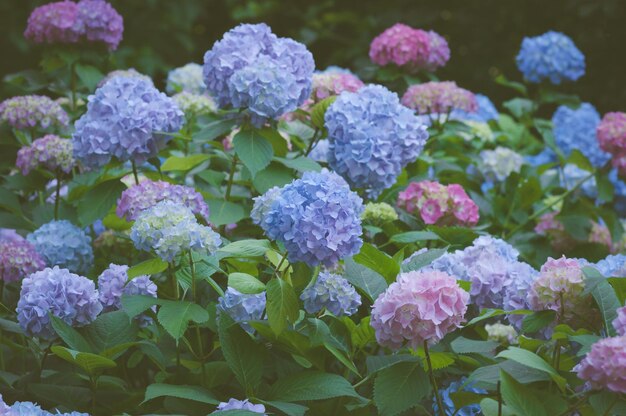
x=253, y=149
x=376, y=363
x=148, y=267
x=110, y=330
x=490, y=313
x=520, y=399
x=72, y=397
x=96, y=203
x=619, y=286
x=89, y=75
x=225, y=212
x=290, y=409
x=69, y=335
x=462, y=398
x=9, y=201
x=93, y=364
x=214, y=129
x=537, y=321
x=311, y=385
x=301, y=164
x=490, y=408
x=400, y=388
x=245, y=283
x=133, y=305
x=367, y=280
x=532, y=360
x=279, y=144
x=423, y=259
x=586, y=341
x=113, y=222
x=184, y=163
x=414, y=236
x=605, y=298
x=468, y=346
x=273, y=175
x=488, y=376
x=282, y=305
x=319, y=109
x=195, y=393
x=380, y=262
x=517, y=86
x=245, y=248
x=175, y=316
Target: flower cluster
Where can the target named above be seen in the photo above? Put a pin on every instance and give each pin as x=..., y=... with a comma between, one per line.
x=486, y=111
x=63, y=244
x=448, y=404
x=611, y=135
x=32, y=111
x=332, y=292
x=253, y=68
x=57, y=292
x=316, y=217
x=439, y=98
x=187, y=78
x=126, y=119
x=613, y=265
x=504, y=334
x=30, y=409
x=572, y=175
x=128, y=73
x=413, y=49
x=439, y=204
x=605, y=365
x=147, y=193
x=496, y=165
x=69, y=22
x=372, y=137
x=234, y=404
x=18, y=259
x=170, y=228
x=576, y=129
x=194, y=105
x=333, y=82
x=550, y=226
x=552, y=56
x=418, y=307
x=378, y=214
x=619, y=323
x=242, y=307
x=49, y=152
x=319, y=152
x=9, y=235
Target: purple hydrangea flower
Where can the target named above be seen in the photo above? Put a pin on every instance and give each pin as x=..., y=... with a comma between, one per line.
x=332, y=292
x=619, y=323
x=187, y=78
x=242, y=307
x=316, y=217
x=33, y=111
x=372, y=137
x=9, y=235
x=61, y=243
x=252, y=68
x=125, y=119
x=146, y=194
x=552, y=56
x=18, y=259
x=49, y=152
x=234, y=404
x=98, y=21
x=448, y=404
x=68, y=296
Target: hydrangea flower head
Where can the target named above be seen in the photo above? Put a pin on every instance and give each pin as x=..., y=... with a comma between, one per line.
x=439, y=204
x=63, y=244
x=234, y=404
x=439, y=98
x=486, y=111
x=378, y=214
x=418, y=307
x=32, y=111
x=146, y=194
x=125, y=119
x=49, y=152
x=605, y=365
x=18, y=259
x=372, y=137
x=194, y=105
x=187, y=78
x=316, y=217
x=401, y=45
x=328, y=83
x=319, y=152
x=128, y=73
x=611, y=135
x=504, y=334
x=333, y=292
x=613, y=265
x=499, y=163
x=438, y=51
x=572, y=175
x=619, y=323
x=576, y=129
x=9, y=235
x=552, y=56
x=98, y=21
x=252, y=68
x=448, y=404
x=242, y=307
x=68, y=296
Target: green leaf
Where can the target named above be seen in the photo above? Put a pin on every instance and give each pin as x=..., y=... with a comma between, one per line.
x=463, y=345
x=110, y=330
x=273, y=175
x=245, y=248
x=69, y=335
x=96, y=203
x=311, y=385
x=214, y=129
x=175, y=316
x=301, y=164
x=490, y=408
x=400, y=388
x=148, y=267
x=517, y=86
x=423, y=259
x=371, y=283
x=490, y=313
x=380, y=262
x=605, y=298
x=9, y=201
x=376, y=363
x=174, y=163
x=253, y=149
x=245, y=283
x=414, y=236
x=488, y=376
x=290, y=409
x=319, y=109
x=537, y=321
x=136, y=304
x=195, y=393
x=225, y=212
x=282, y=305
x=522, y=400
x=279, y=144
x=93, y=364
x=532, y=360
x=519, y=107
x=90, y=76
x=619, y=286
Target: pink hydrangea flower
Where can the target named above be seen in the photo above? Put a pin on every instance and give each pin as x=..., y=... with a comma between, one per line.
x=329, y=83
x=439, y=98
x=439, y=204
x=611, y=133
x=401, y=45
x=418, y=307
x=604, y=367
x=619, y=323
x=560, y=239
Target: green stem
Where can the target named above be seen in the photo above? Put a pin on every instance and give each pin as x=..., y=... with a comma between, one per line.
x=73, y=84
x=231, y=176
x=1, y=291
x=201, y=352
x=135, y=172
x=499, y=399
x=193, y=277
x=312, y=143
x=46, y=352
x=170, y=269
x=433, y=382
x=93, y=384
x=280, y=263
x=57, y=198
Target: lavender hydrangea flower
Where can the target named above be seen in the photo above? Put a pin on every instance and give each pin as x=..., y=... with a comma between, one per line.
x=619, y=323
x=98, y=21
x=187, y=78
x=613, y=265
x=18, y=259
x=128, y=73
x=32, y=111
x=30, y=409
x=333, y=292
x=234, y=404
x=552, y=56
x=319, y=152
x=605, y=365
x=515, y=296
x=486, y=111
x=9, y=235
x=49, y=152
x=576, y=129
x=316, y=217
x=448, y=405
x=372, y=137
x=113, y=283
x=242, y=307
x=146, y=194
x=125, y=119
x=61, y=243
x=68, y=296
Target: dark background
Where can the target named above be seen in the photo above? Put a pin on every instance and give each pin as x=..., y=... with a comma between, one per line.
x=484, y=35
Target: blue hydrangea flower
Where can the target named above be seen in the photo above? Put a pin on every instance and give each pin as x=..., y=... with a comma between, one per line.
x=572, y=174
x=253, y=68
x=552, y=56
x=234, y=404
x=448, y=404
x=576, y=129
x=68, y=296
x=318, y=218
x=187, y=78
x=125, y=119
x=515, y=296
x=613, y=265
x=113, y=283
x=332, y=292
x=30, y=409
x=63, y=244
x=242, y=307
x=319, y=153
x=546, y=156
x=486, y=111
x=372, y=137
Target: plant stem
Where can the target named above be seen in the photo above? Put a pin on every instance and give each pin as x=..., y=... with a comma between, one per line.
x=231, y=176
x=57, y=198
x=73, y=84
x=93, y=383
x=43, y=361
x=312, y=143
x=170, y=270
x=280, y=263
x=201, y=352
x=433, y=382
x=193, y=277
x=135, y=172
x=499, y=400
